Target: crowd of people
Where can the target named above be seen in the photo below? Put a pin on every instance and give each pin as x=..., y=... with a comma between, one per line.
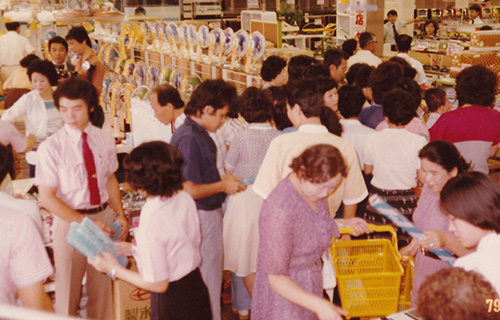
x=257, y=184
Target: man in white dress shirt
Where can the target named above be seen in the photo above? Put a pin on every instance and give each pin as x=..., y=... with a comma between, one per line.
x=403, y=45
x=475, y=12
x=368, y=44
x=393, y=27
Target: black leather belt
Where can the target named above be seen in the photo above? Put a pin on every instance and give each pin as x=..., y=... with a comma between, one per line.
x=94, y=210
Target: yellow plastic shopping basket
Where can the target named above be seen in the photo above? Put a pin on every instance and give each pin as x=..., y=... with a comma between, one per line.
x=368, y=274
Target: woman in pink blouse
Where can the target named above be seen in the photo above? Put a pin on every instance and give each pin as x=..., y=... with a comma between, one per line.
x=168, y=237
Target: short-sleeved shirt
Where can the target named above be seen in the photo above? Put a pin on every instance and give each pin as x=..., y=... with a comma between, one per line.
x=355, y=132
x=393, y=153
x=371, y=116
x=200, y=162
x=364, y=56
x=168, y=238
x=23, y=258
x=14, y=47
x=389, y=31
x=249, y=148
x=284, y=148
x=10, y=135
x=60, y=164
x=473, y=130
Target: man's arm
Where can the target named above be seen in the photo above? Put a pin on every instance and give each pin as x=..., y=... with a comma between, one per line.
x=115, y=201
x=53, y=204
x=228, y=184
x=34, y=297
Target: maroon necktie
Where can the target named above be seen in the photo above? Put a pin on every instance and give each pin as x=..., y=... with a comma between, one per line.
x=88, y=157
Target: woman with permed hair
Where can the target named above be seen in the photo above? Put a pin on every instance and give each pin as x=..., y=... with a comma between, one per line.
x=37, y=106
x=472, y=203
x=168, y=238
x=295, y=230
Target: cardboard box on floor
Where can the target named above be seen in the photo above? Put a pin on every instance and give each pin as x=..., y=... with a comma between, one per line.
x=130, y=302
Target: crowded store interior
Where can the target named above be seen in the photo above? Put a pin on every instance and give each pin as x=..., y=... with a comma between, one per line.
x=264, y=160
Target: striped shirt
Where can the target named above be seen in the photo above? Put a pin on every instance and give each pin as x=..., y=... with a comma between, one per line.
x=23, y=259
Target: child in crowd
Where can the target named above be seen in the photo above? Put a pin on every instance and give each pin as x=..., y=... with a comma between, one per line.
x=206, y=111
x=392, y=156
x=351, y=101
x=437, y=103
x=167, y=249
x=472, y=202
x=245, y=156
x=273, y=72
x=415, y=125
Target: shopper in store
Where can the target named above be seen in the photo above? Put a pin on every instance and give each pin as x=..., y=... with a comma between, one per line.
x=88, y=65
x=206, y=111
x=168, y=106
x=475, y=14
x=19, y=79
x=391, y=155
x=273, y=72
x=457, y=294
x=440, y=161
x=472, y=203
x=244, y=158
x=430, y=29
x=335, y=60
x=168, y=238
x=381, y=80
x=41, y=117
x=304, y=105
x=75, y=179
x=474, y=127
x=437, y=103
x=350, y=47
x=13, y=47
x=366, y=54
x=295, y=230
x=403, y=45
x=58, y=50
x=393, y=27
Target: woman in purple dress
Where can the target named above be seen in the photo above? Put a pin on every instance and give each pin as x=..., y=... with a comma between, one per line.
x=295, y=230
x=440, y=161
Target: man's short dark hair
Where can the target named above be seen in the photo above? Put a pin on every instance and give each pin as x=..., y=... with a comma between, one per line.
x=317, y=70
x=412, y=87
x=46, y=68
x=298, y=65
x=397, y=105
x=403, y=42
x=351, y=101
x=334, y=56
x=155, y=167
x=476, y=85
x=58, y=39
x=476, y=8
x=350, y=76
x=140, y=11
x=168, y=94
x=79, y=34
x=384, y=78
x=365, y=38
x=216, y=93
x=272, y=67
x=25, y=62
x=349, y=46
x=392, y=13
x=256, y=105
x=435, y=98
x=12, y=26
x=303, y=92
x=77, y=88
x=408, y=70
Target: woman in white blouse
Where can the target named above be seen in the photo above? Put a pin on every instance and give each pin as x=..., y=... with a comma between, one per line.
x=37, y=106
